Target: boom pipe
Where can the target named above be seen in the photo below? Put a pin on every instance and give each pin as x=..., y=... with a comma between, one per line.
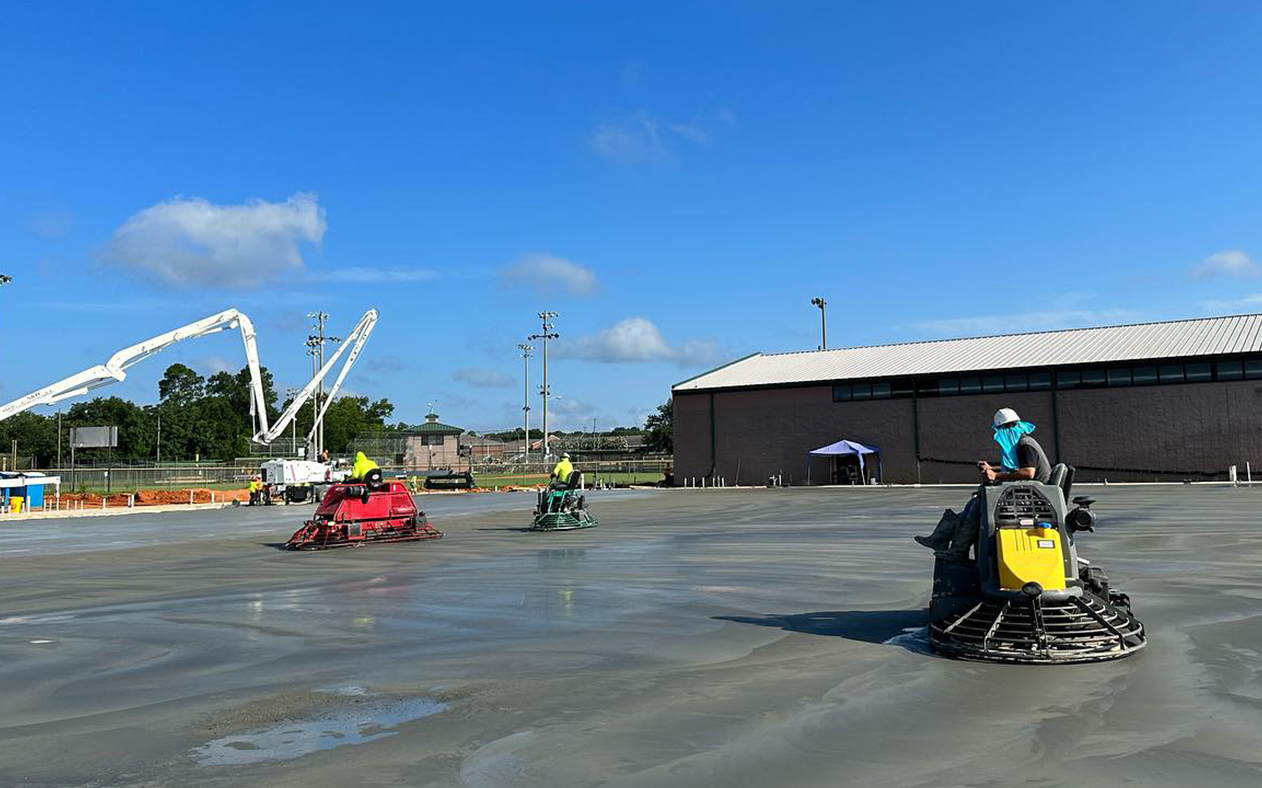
x=360, y=334
x=114, y=369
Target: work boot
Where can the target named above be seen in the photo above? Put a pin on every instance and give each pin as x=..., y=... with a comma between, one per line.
x=940, y=539
x=952, y=556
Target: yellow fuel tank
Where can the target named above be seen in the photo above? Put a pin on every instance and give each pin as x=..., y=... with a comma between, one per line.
x=1030, y=553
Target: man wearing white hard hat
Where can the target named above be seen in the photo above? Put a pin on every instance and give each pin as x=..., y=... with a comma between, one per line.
x=1022, y=459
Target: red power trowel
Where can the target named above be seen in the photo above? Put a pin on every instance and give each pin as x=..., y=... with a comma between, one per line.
x=364, y=512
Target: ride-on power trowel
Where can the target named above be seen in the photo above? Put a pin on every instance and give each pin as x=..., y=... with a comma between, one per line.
x=563, y=507
x=1026, y=596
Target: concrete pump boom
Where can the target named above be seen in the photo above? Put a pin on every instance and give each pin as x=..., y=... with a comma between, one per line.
x=360, y=335
x=114, y=370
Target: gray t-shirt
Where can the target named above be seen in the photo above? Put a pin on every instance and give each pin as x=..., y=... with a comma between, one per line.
x=1031, y=455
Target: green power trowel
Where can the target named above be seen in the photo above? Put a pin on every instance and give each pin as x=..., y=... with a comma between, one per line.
x=563, y=507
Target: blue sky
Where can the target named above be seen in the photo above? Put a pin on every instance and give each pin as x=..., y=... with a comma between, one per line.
x=676, y=179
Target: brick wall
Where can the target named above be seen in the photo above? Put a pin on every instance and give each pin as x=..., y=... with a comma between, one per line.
x=1168, y=429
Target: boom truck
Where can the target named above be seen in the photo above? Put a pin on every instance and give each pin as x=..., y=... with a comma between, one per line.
x=293, y=479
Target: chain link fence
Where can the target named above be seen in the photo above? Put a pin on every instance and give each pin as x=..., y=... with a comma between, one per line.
x=129, y=478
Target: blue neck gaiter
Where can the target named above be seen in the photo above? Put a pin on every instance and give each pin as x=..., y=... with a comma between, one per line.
x=1007, y=438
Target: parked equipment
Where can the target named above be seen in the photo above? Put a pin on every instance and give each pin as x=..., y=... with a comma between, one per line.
x=1027, y=597
x=563, y=508
x=449, y=480
x=364, y=512
x=298, y=481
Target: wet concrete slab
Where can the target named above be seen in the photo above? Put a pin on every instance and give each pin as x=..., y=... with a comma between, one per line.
x=738, y=637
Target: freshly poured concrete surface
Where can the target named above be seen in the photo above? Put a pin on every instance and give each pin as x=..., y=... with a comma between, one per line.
x=734, y=638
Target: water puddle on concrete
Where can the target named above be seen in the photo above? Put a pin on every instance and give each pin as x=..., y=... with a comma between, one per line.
x=914, y=639
x=365, y=722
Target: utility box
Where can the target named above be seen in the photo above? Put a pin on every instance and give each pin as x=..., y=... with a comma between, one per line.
x=33, y=493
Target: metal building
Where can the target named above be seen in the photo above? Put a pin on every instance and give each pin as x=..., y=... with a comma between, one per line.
x=1150, y=401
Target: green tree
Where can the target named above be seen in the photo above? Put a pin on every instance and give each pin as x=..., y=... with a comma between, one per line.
x=36, y=436
x=345, y=418
x=137, y=427
x=659, y=429
x=180, y=386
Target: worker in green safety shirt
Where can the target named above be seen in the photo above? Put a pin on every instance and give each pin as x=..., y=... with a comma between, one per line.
x=362, y=466
x=561, y=472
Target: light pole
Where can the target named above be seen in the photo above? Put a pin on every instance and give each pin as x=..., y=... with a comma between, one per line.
x=316, y=342
x=823, y=325
x=429, y=439
x=4, y=280
x=526, y=350
x=546, y=333
x=293, y=424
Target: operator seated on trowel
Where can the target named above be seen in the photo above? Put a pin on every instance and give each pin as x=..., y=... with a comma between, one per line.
x=362, y=466
x=561, y=472
x=1023, y=459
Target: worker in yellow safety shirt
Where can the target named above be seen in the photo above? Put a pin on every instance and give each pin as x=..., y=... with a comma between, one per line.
x=256, y=488
x=362, y=466
x=561, y=472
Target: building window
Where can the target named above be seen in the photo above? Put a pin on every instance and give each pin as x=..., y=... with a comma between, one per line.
x=948, y=386
x=1093, y=376
x=1197, y=372
x=1119, y=376
x=902, y=387
x=1253, y=369
x=861, y=391
x=841, y=392
x=881, y=390
x=1230, y=370
x=1015, y=383
x=970, y=385
x=432, y=440
x=1143, y=376
x=992, y=383
x=1068, y=379
x=1040, y=381
x=1171, y=373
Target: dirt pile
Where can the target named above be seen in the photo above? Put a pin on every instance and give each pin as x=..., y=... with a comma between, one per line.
x=152, y=498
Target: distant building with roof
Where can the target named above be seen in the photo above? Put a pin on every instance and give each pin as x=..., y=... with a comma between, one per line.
x=429, y=445
x=1171, y=400
x=480, y=447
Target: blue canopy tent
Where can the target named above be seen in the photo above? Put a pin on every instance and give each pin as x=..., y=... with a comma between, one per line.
x=845, y=448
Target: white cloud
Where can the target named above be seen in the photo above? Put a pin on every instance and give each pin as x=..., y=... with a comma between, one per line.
x=642, y=137
x=568, y=406
x=1228, y=262
x=1248, y=303
x=185, y=242
x=211, y=365
x=364, y=274
x=1024, y=322
x=637, y=340
x=548, y=275
x=483, y=378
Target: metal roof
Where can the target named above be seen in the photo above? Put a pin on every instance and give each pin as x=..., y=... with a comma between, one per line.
x=1135, y=342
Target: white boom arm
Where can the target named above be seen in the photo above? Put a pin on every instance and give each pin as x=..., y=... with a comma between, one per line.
x=360, y=335
x=114, y=370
